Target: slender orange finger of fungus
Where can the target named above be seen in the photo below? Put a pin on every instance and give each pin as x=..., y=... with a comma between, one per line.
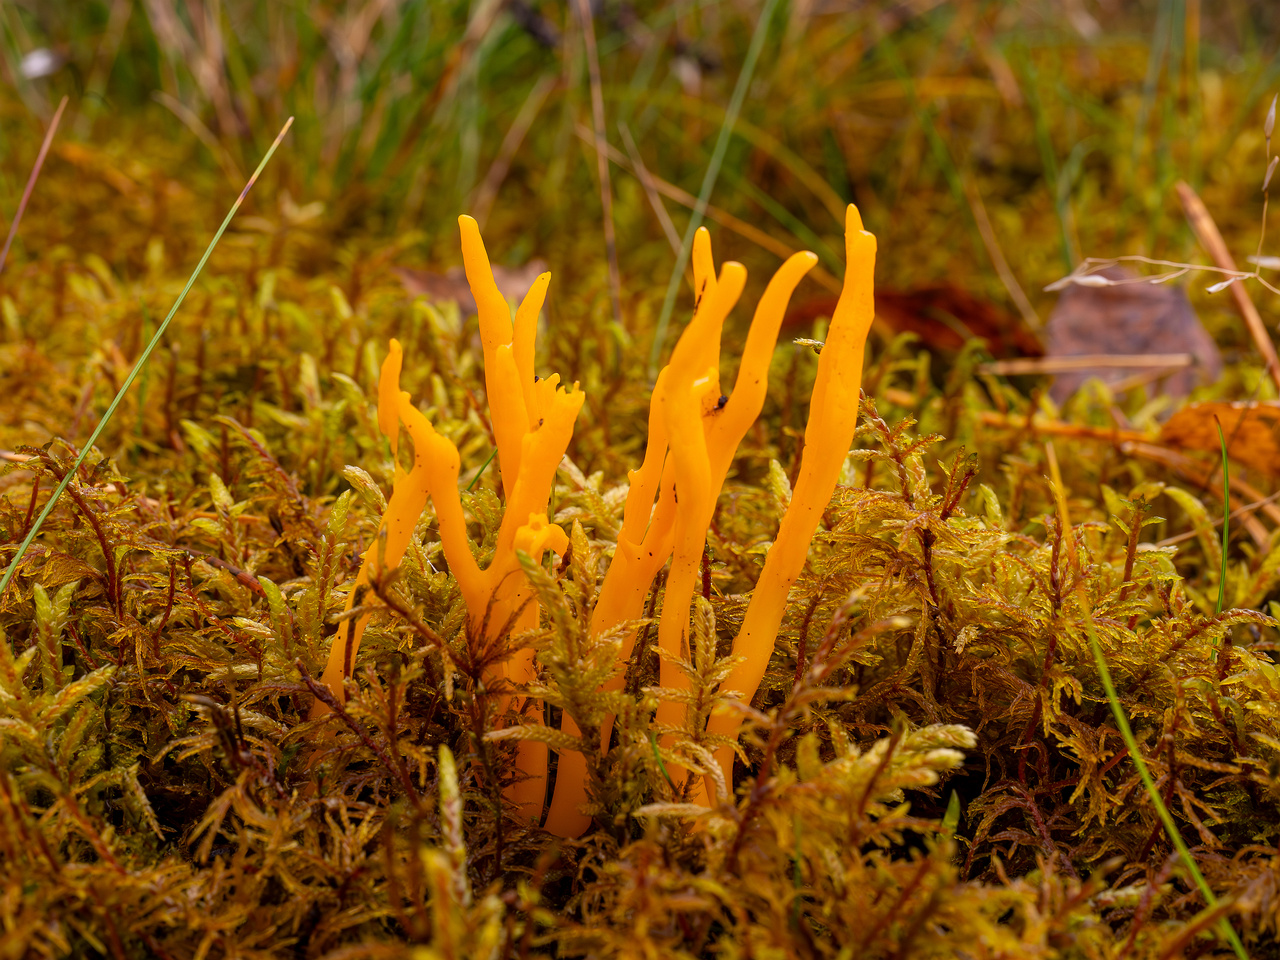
x=506, y=385
x=690, y=380
x=833, y=419
x=532, y=424
x=497, y=595
x=408, y=499
x=724, y=427
x=638, y=556
x=644, y=544
x=524, y=337
x=647, y=535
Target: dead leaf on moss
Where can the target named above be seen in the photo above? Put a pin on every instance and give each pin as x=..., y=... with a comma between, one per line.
x=944, y=316
x=1129, y=318
x=1252, y=431
x=513, y=283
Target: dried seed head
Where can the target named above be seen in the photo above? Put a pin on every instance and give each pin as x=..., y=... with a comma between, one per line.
x=1271, y=168
x=1270, y=123
x=1092, y=280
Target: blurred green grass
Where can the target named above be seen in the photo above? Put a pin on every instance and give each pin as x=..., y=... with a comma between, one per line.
x=1070, y=121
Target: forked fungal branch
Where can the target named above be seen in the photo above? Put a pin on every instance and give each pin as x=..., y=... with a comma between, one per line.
x=532, y=423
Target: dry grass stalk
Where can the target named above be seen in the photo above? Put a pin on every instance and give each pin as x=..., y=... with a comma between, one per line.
x=727, y=220
x=602, y=162
x=487, y=192
x=650, y=191
x=31, y=181
x=988, y=234
x=1089, y=361
x=1210, y=238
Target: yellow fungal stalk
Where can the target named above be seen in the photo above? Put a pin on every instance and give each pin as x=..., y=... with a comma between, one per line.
x=532, y=424
x=833, y=419
x=693, y=437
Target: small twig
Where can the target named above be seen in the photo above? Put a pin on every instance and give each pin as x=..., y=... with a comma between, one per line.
x=1196, y=470
x=1089, y=361
x=1238, y=512
x=1059, y=428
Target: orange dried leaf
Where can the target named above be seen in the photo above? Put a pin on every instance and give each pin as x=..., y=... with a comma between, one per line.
x=1252, y=432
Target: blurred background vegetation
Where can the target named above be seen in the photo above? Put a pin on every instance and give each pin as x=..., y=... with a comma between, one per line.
x=1054, y=127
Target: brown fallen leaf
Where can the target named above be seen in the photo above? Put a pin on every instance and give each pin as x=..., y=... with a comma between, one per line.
x=1252, y=431
x=513, y=283
x=1129, y=318
x=943, y=316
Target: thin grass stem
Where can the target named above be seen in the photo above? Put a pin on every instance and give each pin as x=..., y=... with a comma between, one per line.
x=139, y=365
x=709, y=179
x=1122, y=720
x=484, y=466
x=602, y=161
x=31, y=181
x=1126, y=732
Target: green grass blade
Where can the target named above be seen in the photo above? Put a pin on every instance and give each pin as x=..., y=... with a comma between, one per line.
x=138, y=366
x=1171, y=828
x=709, y=180
x=480, y=473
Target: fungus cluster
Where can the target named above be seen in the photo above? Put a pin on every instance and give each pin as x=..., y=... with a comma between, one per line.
x=694, y=433
x=532, y=424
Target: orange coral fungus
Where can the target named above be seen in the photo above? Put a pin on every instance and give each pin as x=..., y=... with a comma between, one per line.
x=532, y=423
x=693, y=437
x=694, y=434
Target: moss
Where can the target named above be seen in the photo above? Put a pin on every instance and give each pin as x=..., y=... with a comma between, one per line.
x=929, y=768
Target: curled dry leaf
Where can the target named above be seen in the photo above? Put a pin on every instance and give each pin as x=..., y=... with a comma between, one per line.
x=1129, y=317
x=943, y=316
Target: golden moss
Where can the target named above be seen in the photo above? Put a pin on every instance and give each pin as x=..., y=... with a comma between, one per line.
x=928, y=767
